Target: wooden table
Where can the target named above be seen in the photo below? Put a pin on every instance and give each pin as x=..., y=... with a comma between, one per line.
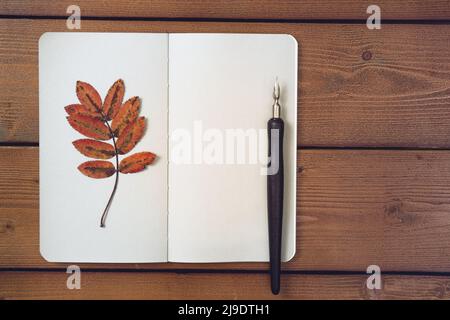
x=374, y=156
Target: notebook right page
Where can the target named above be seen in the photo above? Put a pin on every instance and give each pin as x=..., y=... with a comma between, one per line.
x=220, y=99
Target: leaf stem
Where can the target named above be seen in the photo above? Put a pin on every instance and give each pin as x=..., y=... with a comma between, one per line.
x=108, y=205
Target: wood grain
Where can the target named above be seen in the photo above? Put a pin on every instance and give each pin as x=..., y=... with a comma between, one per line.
x=155, y=285
x=358, y=88
x=355, y=208
x=234, y=9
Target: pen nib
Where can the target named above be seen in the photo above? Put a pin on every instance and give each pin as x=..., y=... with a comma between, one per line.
x=276, y=90
x=276, y=97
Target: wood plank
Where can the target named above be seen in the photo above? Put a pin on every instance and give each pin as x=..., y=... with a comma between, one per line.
x=385, y=88
x=196, y=286
x=355, y=208
x=234, y=9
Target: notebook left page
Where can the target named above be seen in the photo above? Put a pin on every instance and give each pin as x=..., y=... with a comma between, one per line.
x=72, y=66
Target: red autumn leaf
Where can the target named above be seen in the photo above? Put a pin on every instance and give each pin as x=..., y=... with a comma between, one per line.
x=88, y=96
x=136, y=162
x=113, y=99
x=131, y=135
x=95, y=149
x=80, y=109
x=90, y=127
x=92, y=119
x=127, y=114
x=97, y=169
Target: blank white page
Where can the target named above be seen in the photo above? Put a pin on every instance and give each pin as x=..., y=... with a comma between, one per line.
x=218, y=212
x=71, y=204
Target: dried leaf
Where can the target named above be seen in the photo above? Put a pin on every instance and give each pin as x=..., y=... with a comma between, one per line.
x=127, y=114
x=97, y=169
x=88, y=96
x=136, y=162
x=131, y=136
x=80, y=109
x=113, y=99
x=90, y=127
x=91, y=118
x=94, y=149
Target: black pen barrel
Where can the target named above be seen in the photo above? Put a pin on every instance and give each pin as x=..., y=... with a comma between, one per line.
x=275, y=190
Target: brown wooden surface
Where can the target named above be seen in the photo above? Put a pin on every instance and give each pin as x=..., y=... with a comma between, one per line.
x=234, y=9
x=355, y=208
x=164, y=285
x=387, y=88
x=398, y=98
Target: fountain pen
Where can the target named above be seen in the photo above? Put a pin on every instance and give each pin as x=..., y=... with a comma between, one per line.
x=275, y=189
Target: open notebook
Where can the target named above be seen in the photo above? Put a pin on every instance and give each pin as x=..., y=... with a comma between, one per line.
x=204, y=97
